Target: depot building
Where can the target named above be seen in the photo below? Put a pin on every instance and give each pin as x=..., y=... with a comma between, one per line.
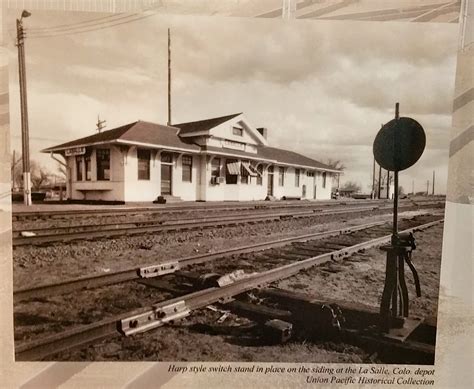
x=218, y=159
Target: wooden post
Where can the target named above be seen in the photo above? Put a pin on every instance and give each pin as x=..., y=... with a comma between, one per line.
x=169, y=77
x=432, y=191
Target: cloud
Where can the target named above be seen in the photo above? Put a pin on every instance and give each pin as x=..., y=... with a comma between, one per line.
x=323, y=88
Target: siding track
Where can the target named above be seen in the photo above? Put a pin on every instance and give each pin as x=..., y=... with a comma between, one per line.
x=370, y=235
x=48, y=235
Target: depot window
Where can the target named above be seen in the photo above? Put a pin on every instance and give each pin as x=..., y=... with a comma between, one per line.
x=244, y=176
x=187, y=163
x=216, y=167
x=88, y=164
x=103, y=164
x=259, y=174
x=232, y=171
x=79, y=165
x=237, y=131
x=297, y=177
x=281, y=176
x=143, y=157
x=324, y=179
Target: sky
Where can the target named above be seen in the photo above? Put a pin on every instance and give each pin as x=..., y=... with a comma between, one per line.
x=322, y=88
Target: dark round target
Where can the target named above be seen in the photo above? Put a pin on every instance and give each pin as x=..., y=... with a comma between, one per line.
x=399, y=144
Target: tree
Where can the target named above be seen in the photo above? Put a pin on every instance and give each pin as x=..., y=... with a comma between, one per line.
x=335, y=164
x=16, y=173
x=62, y=171
x=351, y=186
x=40, y=176
x=338, y=165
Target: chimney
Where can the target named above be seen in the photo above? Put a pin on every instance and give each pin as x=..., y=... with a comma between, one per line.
x=263, y=131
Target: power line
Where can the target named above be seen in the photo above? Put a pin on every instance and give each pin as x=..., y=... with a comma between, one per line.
x=74, y=28
x=71, y=25
x=62, y=29
x=36, y=36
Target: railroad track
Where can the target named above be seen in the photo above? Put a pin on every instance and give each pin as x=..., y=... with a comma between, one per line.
x=178, y=209
x=297, y=254
x=93, y=231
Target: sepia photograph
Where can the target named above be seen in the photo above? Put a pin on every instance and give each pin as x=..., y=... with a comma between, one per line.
x=196, y=188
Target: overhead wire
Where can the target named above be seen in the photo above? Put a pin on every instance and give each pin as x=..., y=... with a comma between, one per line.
x=89, y=25
x=70, y=25
x=73, y=32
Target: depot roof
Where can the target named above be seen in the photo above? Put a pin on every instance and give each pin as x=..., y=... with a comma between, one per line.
x=154, y=135
x=139, y=132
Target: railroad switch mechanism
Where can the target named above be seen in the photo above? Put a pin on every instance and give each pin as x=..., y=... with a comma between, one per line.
x=160, y=316
x=158, y=270
x=394, y=308
x=397, y=146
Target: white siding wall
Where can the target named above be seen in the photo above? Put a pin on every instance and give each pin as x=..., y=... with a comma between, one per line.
x=187, y=191
x=124, y=184
x=140, y=190
x=111, y=190
x=149, y=190
x=323, y=193
x=224, y=131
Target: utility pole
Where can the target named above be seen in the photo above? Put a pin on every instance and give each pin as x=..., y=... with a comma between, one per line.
x=169, y=77
x=413, y=187
x=427, y=187
x=388, y=184
x=20, y=43
x=380, y=182
x=373, y=180
x=100, y=124
x=432, y=191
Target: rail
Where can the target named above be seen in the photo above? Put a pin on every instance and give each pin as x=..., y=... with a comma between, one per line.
x=163, y=312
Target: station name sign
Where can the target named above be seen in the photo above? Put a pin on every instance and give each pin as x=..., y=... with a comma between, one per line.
x=75, y=151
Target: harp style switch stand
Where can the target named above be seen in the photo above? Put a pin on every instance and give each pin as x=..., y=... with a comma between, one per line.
x=397, y=146
x=394, y=308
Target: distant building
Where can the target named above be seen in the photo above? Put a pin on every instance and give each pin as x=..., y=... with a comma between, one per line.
x=218, y=159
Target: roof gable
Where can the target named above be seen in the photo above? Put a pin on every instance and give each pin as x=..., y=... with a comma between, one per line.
x=203, y=125
x=139, y=132
x=100, y=137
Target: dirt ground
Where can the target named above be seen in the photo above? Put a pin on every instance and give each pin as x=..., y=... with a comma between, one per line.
x=61, y=261
x=359, y=278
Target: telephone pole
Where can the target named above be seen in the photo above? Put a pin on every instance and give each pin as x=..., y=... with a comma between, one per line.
x=373, y=180
x=432, y=191
x=169, y=77
x=20, y=43
x=379, y=183
x=427, y=187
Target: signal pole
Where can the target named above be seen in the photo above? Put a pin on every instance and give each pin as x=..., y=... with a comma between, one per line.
x=20, y=42
x=373, y=180
x=169, y=77
x=379, y=183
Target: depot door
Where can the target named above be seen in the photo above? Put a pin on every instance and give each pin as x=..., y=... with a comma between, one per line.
x=166, y=173
x=166, y=179
x=270, y=181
